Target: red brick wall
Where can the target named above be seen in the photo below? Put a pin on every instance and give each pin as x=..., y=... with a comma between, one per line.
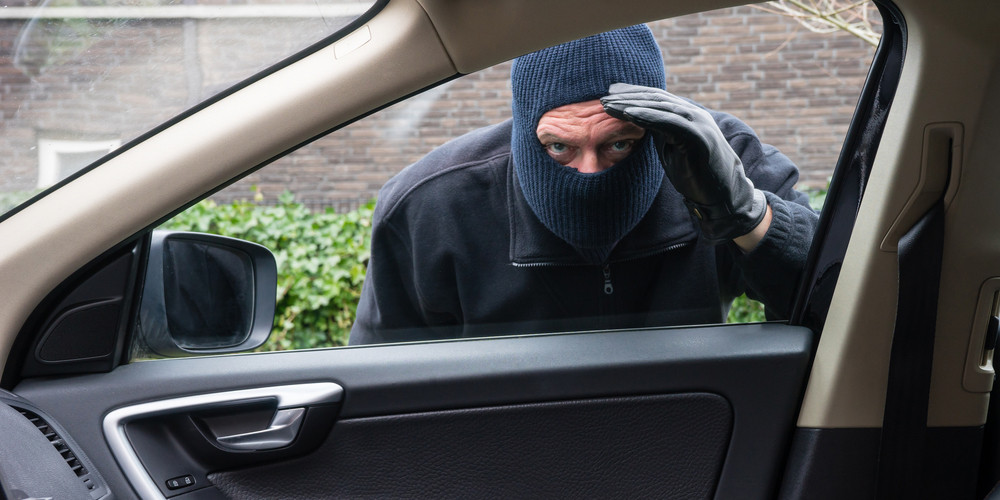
x=796, y=88
x=98, y=79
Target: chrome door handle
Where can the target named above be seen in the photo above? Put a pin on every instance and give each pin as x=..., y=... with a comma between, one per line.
x=282, y=431
x=288, y=397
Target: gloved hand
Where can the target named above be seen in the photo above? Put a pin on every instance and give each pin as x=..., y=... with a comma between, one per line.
x=697, y=159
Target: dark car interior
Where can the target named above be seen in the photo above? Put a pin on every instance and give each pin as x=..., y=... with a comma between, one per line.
x=878, y=386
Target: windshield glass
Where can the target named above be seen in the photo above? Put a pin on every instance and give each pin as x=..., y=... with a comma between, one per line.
x=79, y=78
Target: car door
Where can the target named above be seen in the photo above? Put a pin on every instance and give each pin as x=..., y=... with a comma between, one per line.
x=725, y=411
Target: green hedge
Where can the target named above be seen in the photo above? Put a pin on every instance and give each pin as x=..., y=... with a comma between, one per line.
x=321, y=263
x=12, y=199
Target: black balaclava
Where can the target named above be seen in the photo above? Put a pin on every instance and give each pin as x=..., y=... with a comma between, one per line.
x=591, y=212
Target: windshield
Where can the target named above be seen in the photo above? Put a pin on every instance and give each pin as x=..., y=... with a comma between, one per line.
x=80, y=78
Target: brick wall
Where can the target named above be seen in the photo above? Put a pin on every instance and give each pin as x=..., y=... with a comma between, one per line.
x=795, y=87
x=114, y=79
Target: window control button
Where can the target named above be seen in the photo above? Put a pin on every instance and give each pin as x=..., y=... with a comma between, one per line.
x=180, y=482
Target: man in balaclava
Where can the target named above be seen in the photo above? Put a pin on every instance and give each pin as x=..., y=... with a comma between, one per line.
x=606, y=202
x=592, y=211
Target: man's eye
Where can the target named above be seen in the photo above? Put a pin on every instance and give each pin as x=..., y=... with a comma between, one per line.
x=556, y=147
x=621, y=146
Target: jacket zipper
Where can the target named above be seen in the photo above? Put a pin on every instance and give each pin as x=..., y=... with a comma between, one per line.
x=629, y=259
x=605, y=298
x=607, y=285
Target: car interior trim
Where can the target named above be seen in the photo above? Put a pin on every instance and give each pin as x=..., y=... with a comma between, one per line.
x=847, y=384
x=808, y=397
x=759, y=368
x=851, y=176
x=71, y=223
x=113, y=276
x=980, y=373
x=286, y=396
x=476, y=37
x=940, y=164
x=820, y=459
x=60, y=440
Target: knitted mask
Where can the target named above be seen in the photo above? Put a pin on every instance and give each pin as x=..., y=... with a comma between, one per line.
x=590, y=211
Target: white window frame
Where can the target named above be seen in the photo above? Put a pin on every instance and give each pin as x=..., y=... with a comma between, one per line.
x=50, y=153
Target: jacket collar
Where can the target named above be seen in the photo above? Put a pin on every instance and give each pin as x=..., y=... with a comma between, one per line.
x=666, y=225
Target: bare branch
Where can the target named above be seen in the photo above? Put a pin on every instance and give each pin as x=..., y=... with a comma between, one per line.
x=828, y=16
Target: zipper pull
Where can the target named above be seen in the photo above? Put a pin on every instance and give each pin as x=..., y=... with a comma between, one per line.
x=608, y=287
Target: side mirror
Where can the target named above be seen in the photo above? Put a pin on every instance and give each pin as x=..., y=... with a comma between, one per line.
x=206, y=294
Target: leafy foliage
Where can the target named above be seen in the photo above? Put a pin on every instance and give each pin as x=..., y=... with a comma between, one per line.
x=321, y=260
x=12, y=199
x=817, y=197
x=746, y=310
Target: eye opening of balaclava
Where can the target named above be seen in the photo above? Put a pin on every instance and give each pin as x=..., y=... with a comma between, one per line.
x=590, y=211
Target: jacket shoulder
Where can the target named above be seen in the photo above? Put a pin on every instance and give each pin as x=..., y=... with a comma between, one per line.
x=445, y=164
x=768, y=168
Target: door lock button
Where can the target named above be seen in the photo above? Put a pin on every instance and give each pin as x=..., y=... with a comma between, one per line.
x=180, y=482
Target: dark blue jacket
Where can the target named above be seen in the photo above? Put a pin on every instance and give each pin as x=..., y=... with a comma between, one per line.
x=457, y=252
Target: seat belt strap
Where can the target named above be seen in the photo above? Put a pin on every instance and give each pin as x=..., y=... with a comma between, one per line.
x=904, y=424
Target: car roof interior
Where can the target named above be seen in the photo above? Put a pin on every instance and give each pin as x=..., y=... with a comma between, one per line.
x=413, y=44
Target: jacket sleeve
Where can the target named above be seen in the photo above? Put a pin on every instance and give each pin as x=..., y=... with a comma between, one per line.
x=411, y=290
x=387, y=294
x=770, y=272
x=391, y=308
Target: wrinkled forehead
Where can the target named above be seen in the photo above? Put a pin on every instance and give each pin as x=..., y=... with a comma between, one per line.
x=584, y=122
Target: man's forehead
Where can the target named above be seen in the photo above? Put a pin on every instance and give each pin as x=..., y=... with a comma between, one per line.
x=577, y=120
x=582, y=110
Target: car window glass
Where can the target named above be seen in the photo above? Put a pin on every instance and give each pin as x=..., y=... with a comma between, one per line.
x=794, y=82
x=78, y=79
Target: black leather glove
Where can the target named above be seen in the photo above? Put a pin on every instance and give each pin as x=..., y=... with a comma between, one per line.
x=697, y=159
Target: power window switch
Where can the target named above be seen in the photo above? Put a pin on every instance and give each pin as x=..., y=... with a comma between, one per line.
x=180, y=482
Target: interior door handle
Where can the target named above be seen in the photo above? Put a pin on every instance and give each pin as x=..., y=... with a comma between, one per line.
x=319, y=397
x=282, y=431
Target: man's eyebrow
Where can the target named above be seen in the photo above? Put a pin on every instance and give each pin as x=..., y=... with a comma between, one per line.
x=549, y=136
x=624, y=132
x=627, y=133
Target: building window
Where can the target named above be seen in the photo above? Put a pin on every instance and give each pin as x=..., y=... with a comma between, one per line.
x=58, y=159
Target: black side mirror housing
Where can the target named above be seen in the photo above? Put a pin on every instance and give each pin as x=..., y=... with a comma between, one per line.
x=206, y=294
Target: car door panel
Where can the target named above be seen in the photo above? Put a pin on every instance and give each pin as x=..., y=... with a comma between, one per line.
x=532, y=414
x=603, y=447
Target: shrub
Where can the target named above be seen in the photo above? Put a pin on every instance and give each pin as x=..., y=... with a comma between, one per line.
x=12, y=199
x=321, y=261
